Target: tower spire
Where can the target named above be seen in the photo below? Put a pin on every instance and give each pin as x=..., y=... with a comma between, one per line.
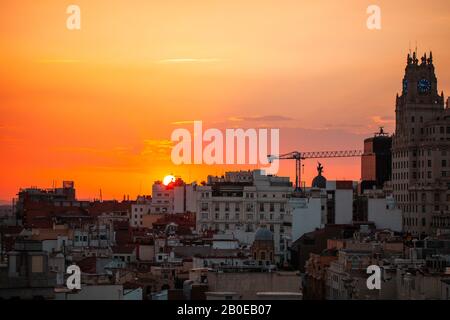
x=424, y=58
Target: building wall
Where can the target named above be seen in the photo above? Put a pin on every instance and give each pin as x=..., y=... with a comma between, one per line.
x=306, y=215
x=445, y=290
x=418, y=286
x=162, y=199
x=133, y=294
x=100, y=292
x=179, y=200
x=344, y=206
x=146, y=252
x=148, y=220
x=249, y=284
x=385, y=214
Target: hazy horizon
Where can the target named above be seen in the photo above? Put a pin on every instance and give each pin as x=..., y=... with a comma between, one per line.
x=98, y=105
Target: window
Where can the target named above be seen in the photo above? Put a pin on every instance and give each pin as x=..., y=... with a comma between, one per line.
x=37, y=264
x=263, y=255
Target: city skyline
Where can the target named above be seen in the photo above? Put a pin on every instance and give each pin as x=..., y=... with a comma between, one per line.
x=97, y=105
x=250, y=152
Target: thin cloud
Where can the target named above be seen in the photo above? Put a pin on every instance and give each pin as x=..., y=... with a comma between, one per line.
x=59, y=61
x=189, y=60
x=379, y=120
x=261, y=118
x=158, y=149
x=183, y=122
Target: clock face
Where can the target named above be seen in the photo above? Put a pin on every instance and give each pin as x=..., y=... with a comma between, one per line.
x=405, y=85
x=424, y=86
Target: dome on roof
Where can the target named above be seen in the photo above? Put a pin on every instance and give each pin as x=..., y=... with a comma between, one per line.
x=319, y=182
x=263, y=234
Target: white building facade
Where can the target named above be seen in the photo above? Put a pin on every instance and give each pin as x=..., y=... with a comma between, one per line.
x=239, y=203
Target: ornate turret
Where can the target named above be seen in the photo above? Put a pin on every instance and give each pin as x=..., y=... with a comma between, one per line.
x=319, y=181
x=430, y=59
x=424, y=59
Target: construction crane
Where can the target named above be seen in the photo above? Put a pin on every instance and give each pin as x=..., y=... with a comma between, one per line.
x=299, y=156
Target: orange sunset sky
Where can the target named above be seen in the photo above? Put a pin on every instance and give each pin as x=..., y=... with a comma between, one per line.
x=98, y=105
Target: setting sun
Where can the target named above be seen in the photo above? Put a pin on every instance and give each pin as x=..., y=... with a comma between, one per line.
x=168, y=179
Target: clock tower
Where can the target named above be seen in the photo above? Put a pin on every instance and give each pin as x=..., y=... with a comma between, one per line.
x=420, y=149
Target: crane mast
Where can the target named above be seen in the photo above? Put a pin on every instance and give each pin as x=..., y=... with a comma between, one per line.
x=299, y=156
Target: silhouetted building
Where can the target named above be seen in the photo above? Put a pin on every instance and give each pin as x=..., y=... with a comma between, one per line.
x=27, y=275
x=420, y=150
x=64, y=196
x=376, y=161
x=316, y=242
x=319, y=181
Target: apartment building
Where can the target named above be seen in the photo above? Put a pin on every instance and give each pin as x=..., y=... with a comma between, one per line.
x=243, y=201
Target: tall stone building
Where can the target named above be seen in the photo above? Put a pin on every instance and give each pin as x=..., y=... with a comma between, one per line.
x=420, y=150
